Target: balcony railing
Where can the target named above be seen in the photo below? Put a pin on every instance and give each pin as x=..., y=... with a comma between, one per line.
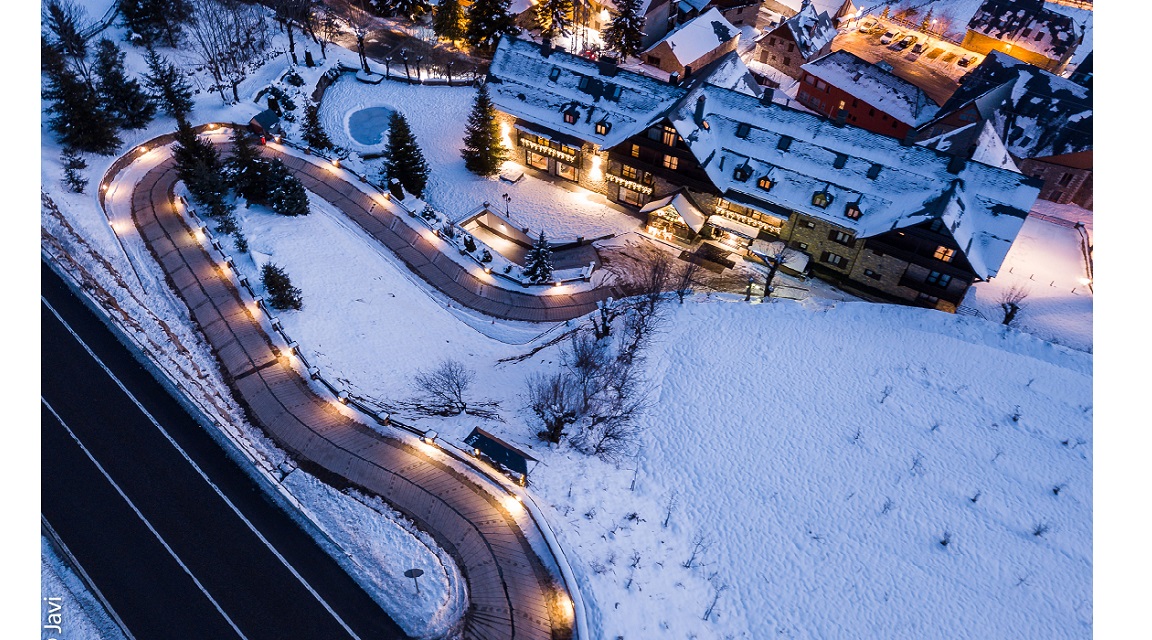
x=635, y=186
x=548, y=151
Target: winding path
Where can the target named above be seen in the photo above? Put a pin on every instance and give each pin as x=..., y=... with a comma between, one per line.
x=511, y=594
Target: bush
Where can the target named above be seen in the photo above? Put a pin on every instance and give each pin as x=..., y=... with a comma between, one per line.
x=281, y=294
x=294, y=79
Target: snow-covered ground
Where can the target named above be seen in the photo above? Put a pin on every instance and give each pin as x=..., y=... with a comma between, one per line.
x=64, y=594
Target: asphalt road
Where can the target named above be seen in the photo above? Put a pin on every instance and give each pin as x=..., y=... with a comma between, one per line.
x=176, y=555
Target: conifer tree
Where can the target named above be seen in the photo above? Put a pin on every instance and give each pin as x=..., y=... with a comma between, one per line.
x=247, y=171
x=538, y=263
x=281, y=294
x=75, y=113
x=449, y=22
x=64, y=20
x=169, y=88
x=73, y=165
x=403, y=160
x=313, y=132
x=286, y=195
x=152, y=20
x=554, y=18
x=624, y=33
x=198, y=165
x=122, y=96
x=483, y=152
x=488, y=20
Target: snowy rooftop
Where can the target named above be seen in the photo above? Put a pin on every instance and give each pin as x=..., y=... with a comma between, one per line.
x=699, y=36
x=1036, y=113
x=894, y=185
x=810, y=29
x=683, y=205
x=541, y=89
x=981, y=137
x=1034, y=28
x=870, y=83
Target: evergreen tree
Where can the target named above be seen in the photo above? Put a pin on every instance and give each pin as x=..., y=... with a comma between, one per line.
x=449, y=22
x=410, y=9
x=554, y=17
x=538, y=267
x=169, y=88
x=75, y=114
x=247, y=171
x=286, y=195
x=281, y=294
x=403, y=160
x=152, y=20
x=122, y=96
x=487, y=21
x=313, y=132
x=198, y=165
x=73, y=165
x=624, y=33
x=63, y=19
x=483, y=152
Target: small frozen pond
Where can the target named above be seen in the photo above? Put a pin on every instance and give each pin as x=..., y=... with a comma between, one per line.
x=368, y=126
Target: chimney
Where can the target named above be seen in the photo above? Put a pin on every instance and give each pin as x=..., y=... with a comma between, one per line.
x=608, y=66
x=674, y=78
x=687, y=71
x=766, y=97
x=956, y=164
x=700, y=110
x=546, y=47
x=841, y=117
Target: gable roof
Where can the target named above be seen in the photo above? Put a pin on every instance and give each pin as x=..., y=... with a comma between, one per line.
x=810, y=30
x=699, y=36
x=683, y=205
x=978, y=141
x=1007, y=20
x=983, y=206
x=1036, y=113
x=519, y=81
x=875, y=85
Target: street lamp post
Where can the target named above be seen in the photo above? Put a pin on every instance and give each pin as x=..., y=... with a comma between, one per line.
x=507, y=202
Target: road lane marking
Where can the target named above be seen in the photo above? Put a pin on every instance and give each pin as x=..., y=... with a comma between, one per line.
x=142, y=517
x=199, y=471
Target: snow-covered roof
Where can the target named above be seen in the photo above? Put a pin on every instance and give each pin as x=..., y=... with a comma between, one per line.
x=696, y=4
x=734, y=226
x=1027, y=25
x=683, y=206
x=730, y=72
x=1036, y=113
x=810, y=29
x=542, y=89
x=894, y=185
x=878, y=87
x=978, y=139
x=699, y=36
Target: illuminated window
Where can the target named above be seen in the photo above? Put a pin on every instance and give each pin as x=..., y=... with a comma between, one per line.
x=669, y=136
x=570, y=117
x=944, y=254
x=629, y=173
x=853, y=211
x=821, y=199
x=566, y=171
x=764, y=183
x=671, y=162
x=602, y=127
x=635, y=151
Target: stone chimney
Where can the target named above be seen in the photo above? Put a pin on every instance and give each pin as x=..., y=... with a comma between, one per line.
x=700, y=110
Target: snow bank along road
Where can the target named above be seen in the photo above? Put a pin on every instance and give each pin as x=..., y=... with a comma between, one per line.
x=509, y=588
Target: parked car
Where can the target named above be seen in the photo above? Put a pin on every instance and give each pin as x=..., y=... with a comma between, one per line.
x=869, y=25
x=890, y=35
x=965, y=60
x=908, y=41
x=919, y=48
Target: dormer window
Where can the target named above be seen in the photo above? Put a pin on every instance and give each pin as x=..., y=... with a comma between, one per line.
x=821, y=199
x=742, y=173
x=583, y=84
x=784, y=143
x=743, y=129
x=873, y=171
x=840, y=161
x=554, y=74
x=571, y=116
x=603, y=127
x=614, y=92
x=765, y=183
x=852, y=211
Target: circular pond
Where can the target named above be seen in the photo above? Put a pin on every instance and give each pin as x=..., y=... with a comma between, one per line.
x=367, y=126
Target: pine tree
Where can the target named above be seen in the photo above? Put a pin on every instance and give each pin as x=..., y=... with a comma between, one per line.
x=286, y=195
x=449, y=22
x=487, y=21
x=168, y=86
x=281, y=294
x=63, y=20
x=73, y=165
x=198, y=165
x=152, y=20
x=247, y=171
x=313, y=132
x=554, y=17
x=75, y=114
x=538, y=267
x=626, y=30
x=483, y=152
x=403, y=160
x=122, y=96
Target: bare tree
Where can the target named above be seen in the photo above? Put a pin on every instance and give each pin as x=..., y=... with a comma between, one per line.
x=778, y=254
x=1012, y=303
x=445, y=388
x=225, y=35
x=700, y=544
x=327, y=25
x=685, y=278
x=717, y=590
x=586, y=358
x=555, y=402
